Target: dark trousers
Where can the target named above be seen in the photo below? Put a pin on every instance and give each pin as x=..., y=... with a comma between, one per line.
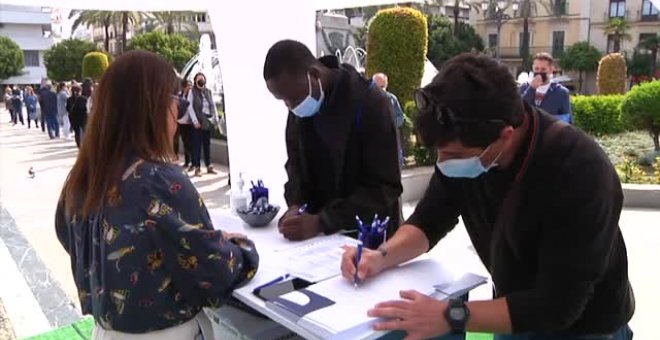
x=43, y=121
x=17, y=115
x=11, y=115
x=78, y=127
x=32, y=114
x=53, y=126
x=201, y=142
x=624, y=333
x=185, y=132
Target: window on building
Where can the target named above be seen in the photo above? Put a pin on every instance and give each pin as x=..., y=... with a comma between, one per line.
x=610, y=43
x=521, y=39
x=649, y=11
x=617, y=8
x=46, y=31
x=492, y=40
x=560, y=7
x=557, y=43
x=31, y=58
x=644, y=36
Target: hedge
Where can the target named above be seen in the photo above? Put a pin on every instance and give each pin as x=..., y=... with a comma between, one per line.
x=397, y=45
x=94, y=65
x=612, y=74
x=641, y=109
x=598, y=115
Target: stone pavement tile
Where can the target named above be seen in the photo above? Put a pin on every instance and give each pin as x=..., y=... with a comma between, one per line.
x=6, y=330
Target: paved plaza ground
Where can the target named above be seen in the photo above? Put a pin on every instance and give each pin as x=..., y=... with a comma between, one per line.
x=36, y=287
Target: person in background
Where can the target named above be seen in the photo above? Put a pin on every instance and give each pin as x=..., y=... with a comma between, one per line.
x=17, y=106
x=76, y=105
x=7, y=99
x=203, y=108
x=544, y=93
x=62, y=114
x=540, y=201
x=382, y=81
x=144, y=253
x=49, y=110
x=186, y=123
x=31, y=101
x=87, y=91
x=341, y=143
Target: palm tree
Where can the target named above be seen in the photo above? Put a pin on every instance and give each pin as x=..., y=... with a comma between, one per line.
x=618, y=28
x=173, y=22
x=134, y=18
x=528, y=9
x=652, y=44
x=90, y=18
x=457, y=11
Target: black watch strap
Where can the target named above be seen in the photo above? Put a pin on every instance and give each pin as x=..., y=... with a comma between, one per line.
x=457, y=315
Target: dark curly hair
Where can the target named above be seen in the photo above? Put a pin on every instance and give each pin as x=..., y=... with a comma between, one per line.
x=471, y=100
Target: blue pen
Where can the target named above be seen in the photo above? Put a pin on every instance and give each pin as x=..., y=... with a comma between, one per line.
x=358, y=256
x=270, y=283
x=302, y=209
x=360, y=226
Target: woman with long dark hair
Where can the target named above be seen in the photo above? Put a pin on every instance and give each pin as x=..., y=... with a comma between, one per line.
x=144, y=253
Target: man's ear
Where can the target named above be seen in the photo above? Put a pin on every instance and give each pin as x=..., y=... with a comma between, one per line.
x=507, y=132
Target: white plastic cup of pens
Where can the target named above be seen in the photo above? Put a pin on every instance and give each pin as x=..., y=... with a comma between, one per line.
x=258, y=212
x=374, y=234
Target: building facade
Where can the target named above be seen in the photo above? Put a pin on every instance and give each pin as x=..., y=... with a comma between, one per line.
x=30, y=28
x=642, y=15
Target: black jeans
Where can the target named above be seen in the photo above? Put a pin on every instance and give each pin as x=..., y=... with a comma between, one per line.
x=43, y=121
x=201, y=142
x=18, y=115
x=185, y=131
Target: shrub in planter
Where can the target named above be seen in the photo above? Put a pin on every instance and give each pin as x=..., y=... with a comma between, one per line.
x=598, y=115
x=612, y=74
x=396, y=46
x=641, y=109
x=94, y=65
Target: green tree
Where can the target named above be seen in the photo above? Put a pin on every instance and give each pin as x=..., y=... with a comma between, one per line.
x=581, y=57
x=91, y=18
x=652, y=44
x=641, y=109
x=456, y=10
x=618, y=28
x=94, y=65
x=175, y=48
x=11, y=58
x=64, y=59
x=172, y=22
x=132, y=18
x=443, y=45
x=397, y=45
x=640, y=65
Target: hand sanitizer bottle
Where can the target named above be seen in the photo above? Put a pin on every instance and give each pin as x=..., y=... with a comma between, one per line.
x=239, y=198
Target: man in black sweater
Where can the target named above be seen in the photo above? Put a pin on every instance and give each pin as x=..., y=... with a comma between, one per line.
x=341, y=143
x=540, y=201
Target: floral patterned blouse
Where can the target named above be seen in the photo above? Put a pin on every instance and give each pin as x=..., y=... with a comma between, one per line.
x=151, y=259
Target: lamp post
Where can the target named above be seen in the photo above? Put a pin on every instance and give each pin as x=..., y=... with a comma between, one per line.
x=499, y=16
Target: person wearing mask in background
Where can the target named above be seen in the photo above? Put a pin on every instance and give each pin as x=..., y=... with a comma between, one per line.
x=62, y=114
x=186, y=123
x=544, y=93
x=341, y=143
x=145, y=255
x=77, y=107
x=49, y=110
x=206, y=114
x=540, y=201
x=382, y=81
x=17, y=106
x=31, y=101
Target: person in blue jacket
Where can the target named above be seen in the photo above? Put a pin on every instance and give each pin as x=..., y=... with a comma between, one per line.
x=545, y=94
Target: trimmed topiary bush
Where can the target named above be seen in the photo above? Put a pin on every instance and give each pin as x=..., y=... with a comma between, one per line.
x=641, y=109
x=94, y=65
x=598, y=115
x=612, y=74
x=396, y=46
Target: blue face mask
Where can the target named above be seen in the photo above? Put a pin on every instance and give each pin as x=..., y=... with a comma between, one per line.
x=466, y=167
x=309, y=106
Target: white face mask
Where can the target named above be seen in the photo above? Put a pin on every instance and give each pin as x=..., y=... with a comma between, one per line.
x=309, y=106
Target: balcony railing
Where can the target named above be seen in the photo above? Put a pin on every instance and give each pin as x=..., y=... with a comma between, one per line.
x=514, y=52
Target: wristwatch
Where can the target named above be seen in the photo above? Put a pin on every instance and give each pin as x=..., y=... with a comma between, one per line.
x=457, y=315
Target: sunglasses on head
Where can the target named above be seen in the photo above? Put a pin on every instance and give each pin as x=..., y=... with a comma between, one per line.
x=444, y=114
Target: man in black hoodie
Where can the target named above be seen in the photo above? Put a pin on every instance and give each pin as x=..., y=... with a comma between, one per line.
x=341, y=143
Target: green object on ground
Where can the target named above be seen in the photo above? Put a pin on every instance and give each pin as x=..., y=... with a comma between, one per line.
x=479, y=336
x=81, y=330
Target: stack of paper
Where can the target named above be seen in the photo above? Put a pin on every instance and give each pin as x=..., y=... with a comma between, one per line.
x=317, y=260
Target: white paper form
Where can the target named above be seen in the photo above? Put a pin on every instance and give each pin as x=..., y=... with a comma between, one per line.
x=318, y=259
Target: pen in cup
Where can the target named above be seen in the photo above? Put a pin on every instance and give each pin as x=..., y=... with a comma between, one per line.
x=358, y=256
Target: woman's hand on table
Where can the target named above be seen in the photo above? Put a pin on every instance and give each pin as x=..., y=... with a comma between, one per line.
x=372, y=262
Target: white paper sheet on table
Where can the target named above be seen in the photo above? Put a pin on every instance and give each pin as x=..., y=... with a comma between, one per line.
x=317, y=259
